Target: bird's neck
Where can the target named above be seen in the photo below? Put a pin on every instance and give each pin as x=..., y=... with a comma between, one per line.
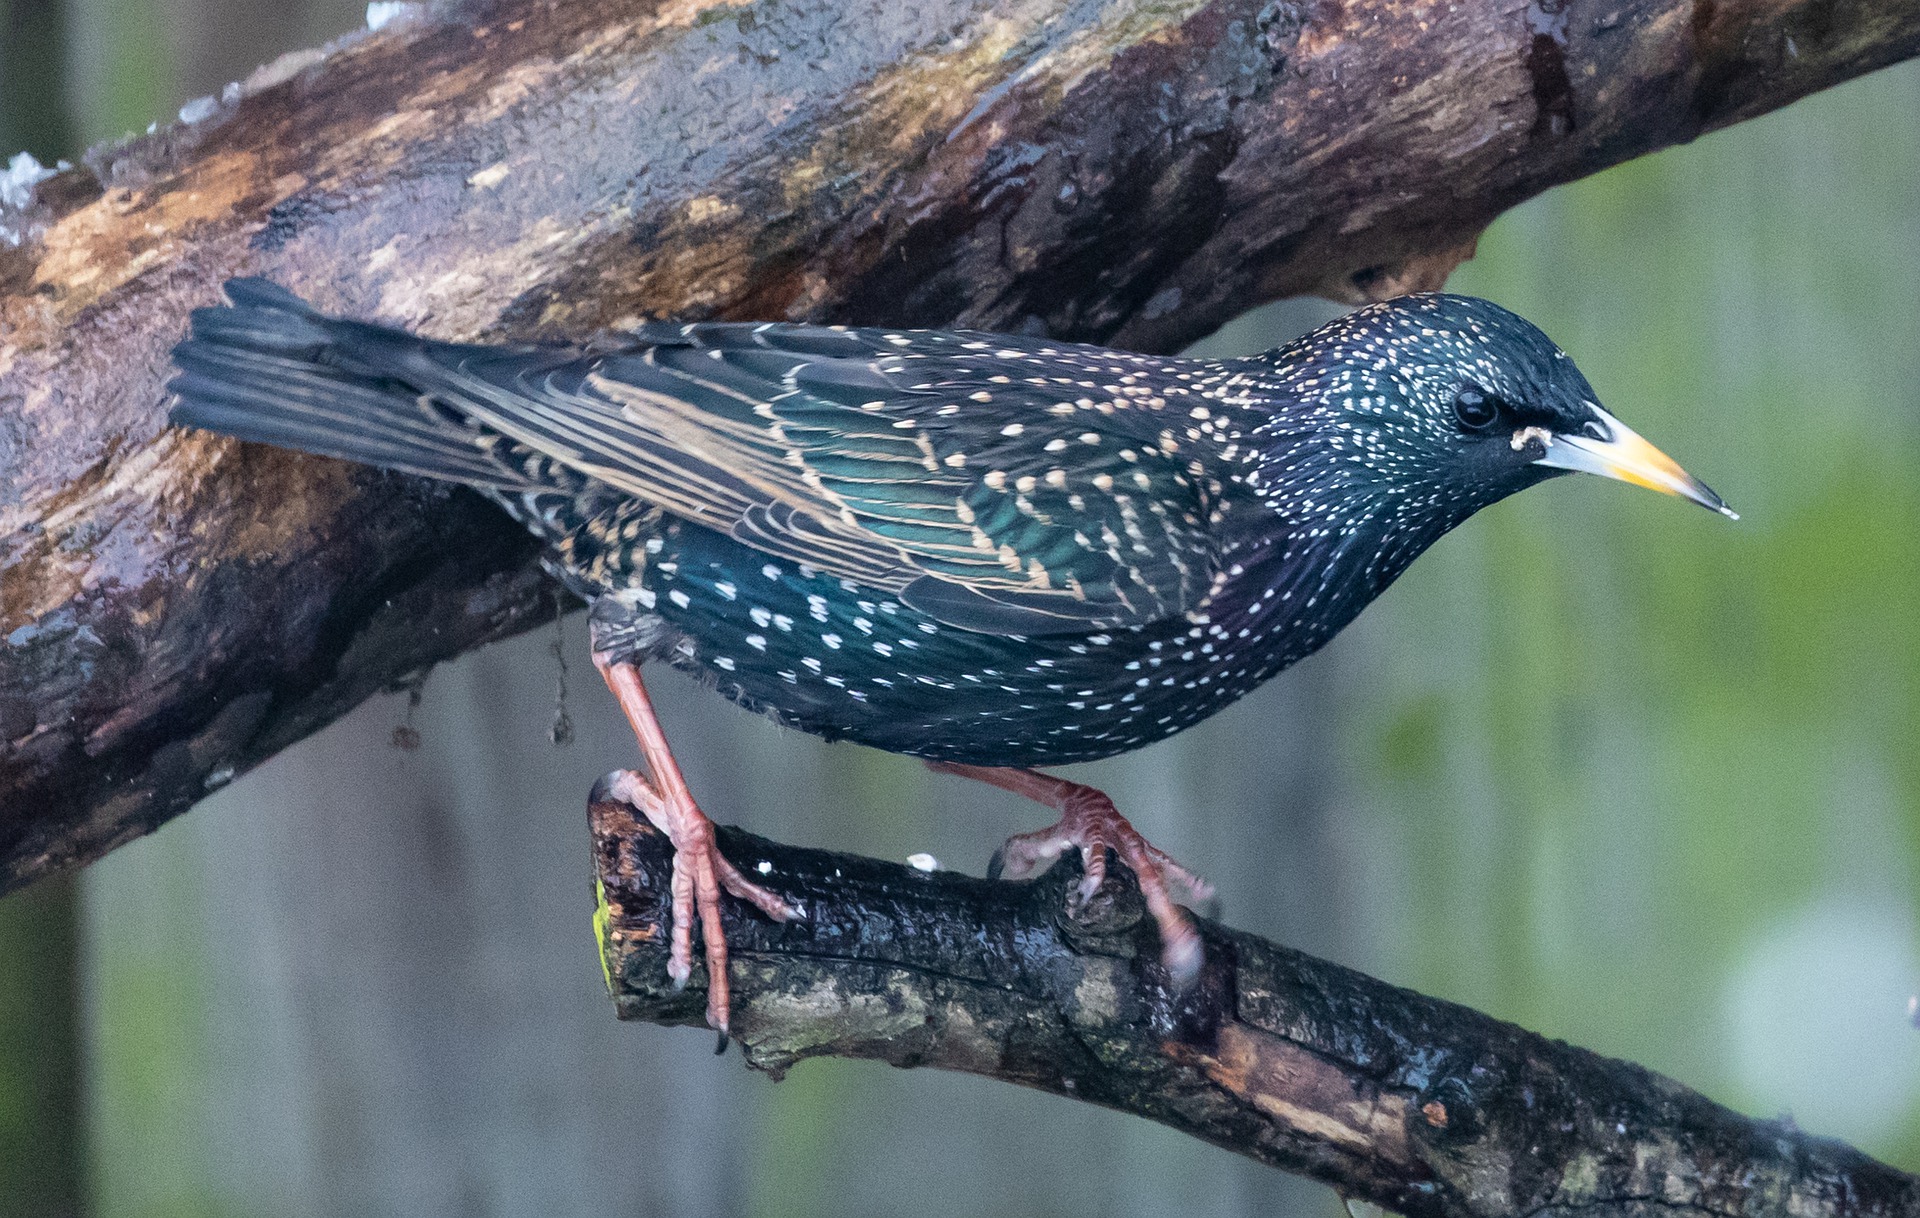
x=1345, y=534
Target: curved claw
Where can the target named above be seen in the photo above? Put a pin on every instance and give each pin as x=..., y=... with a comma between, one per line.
x=700, y=872
x=1090, y=822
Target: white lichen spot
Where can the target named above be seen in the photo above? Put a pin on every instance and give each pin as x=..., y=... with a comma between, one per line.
x=711, y=208
x=17, y=183
x=490, y=177
x=199, y=110
x=384, y=13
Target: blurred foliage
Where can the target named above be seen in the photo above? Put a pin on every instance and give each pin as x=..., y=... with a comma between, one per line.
x=120, y=69
x=153, y=1092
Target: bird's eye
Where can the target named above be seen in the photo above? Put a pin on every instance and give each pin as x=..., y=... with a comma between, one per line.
x=1475, y=409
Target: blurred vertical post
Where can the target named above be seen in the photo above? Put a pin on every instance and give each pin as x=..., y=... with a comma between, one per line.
x=33, y=111
x=40, y=1128
x=41, y=1151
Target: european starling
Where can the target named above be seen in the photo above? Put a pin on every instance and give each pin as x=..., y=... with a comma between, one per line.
x=988, y=551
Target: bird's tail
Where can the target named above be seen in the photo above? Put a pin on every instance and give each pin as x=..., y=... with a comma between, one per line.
x=273, y=369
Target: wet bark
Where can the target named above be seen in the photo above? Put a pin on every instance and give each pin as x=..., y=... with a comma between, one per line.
x=1415, y=1104
x=174, y=608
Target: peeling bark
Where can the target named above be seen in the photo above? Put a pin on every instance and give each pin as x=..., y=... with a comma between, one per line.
x=1418, y=1105
x=174, y=608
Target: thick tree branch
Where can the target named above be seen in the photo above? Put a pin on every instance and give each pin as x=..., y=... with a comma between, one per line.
x=174, y=608
x=1419, y=1105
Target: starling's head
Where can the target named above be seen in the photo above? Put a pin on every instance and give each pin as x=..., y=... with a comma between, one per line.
x=1444, y=404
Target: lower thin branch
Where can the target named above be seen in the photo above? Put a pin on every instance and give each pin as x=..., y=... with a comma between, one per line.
x=1418, y=1105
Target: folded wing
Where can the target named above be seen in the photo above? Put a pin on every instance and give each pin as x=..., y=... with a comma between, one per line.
x=998, y=484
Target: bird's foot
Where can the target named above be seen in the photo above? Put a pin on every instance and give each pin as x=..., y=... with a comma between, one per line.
x=1089, y=821
x=700, y=871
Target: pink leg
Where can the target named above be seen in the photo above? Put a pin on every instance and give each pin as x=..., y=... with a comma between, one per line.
x=1089, y=821
x=699, y=869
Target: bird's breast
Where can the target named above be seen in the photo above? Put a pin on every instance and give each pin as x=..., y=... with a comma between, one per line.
x=844, y=661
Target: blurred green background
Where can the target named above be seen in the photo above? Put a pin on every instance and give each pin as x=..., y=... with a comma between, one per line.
x=1602, y=764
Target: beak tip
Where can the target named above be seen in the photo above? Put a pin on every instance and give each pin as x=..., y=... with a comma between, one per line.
x=1706, y=497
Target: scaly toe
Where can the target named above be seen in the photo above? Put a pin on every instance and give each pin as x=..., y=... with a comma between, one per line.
x=763, y=899
x=771, y=904
x=1021, y=856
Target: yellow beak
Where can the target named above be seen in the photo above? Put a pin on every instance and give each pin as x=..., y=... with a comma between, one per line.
x=1625, y=455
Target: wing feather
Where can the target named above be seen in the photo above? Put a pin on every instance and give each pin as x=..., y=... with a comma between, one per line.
x=903, y=465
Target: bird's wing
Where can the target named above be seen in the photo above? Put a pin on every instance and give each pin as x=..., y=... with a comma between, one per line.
x=1002, y=485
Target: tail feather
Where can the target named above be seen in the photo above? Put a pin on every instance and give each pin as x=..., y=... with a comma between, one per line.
x=270, y=368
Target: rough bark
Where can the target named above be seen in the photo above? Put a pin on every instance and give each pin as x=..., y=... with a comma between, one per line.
x=174, y=608
x=1418, y=1105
